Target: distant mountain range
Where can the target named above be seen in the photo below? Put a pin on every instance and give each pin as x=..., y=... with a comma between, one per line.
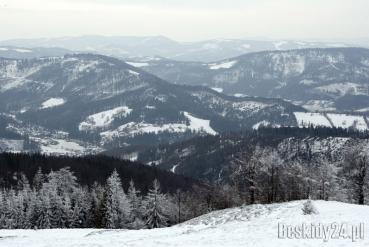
x=23, y=53
x=128, y=47
x=331, y=79
x=78, y=104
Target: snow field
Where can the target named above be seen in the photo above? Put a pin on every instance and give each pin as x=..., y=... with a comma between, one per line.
x=52, y=102
x=138, y=64
x=104, y=118
x=347, y=121
x=225, y=65
x=59, y=146
x=254, y=225
x=11, y=145
x=133, y=128
x=305, y=119
x=263, y=123
x=217, y=89
x=199, y=125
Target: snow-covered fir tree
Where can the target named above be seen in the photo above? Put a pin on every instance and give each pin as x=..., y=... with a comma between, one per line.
x=82, y=205
x=117, y=205
x=135, y=199
x=156, y=207
x=97, y=205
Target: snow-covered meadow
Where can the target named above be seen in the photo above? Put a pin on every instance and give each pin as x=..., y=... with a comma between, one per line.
x=345, y=121
x=104, y=119
x=255, y=225
x=130, y=129
x=224, y=65
x=53, y=102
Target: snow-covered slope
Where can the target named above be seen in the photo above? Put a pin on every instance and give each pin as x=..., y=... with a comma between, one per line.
x=248, y=226
x=9, y=145
x=224, y=65
x=195, y=125
x=199, y=125
x=53, y=102
x=104, y=119
x=305, y=119
x=345, y=121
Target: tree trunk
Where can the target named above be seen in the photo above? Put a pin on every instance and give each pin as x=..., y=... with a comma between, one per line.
x=361, y=194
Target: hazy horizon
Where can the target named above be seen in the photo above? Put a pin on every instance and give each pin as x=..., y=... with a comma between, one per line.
x=313, y=20
x=356, y=41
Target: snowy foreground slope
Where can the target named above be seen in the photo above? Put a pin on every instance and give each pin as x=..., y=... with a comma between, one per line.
x=255, y=225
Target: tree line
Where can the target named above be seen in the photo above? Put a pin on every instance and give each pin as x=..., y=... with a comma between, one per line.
x=57, y=200
x=38, y=191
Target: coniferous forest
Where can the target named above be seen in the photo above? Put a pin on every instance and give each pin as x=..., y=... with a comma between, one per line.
x=39, y=192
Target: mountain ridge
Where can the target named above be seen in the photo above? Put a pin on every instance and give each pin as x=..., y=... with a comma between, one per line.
x=316, y=78
x=106, y=102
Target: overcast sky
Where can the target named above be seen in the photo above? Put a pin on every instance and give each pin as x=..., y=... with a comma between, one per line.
x=187, y=20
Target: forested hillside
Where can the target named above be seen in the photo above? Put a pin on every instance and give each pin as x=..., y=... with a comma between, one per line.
x=332, y=79
x=96, y=192
x=273, y=164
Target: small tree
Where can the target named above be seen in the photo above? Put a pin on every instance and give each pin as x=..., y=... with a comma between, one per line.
x=38, y=179
x=355, y=170
x=155, y=205
x=116, y=203
x=134, y=197
x=43, y=213
x=97, y=205
x=308, y=208
x=82, y=208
